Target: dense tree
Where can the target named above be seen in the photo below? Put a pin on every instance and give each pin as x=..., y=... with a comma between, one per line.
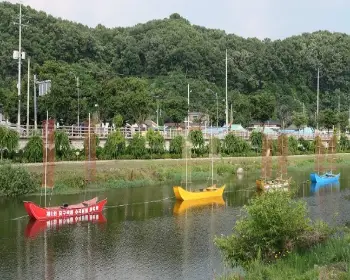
x=263, y=107
x=299, y=119
x=121, y=70
x=328, y=119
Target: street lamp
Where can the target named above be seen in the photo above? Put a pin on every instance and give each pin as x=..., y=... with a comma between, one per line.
x=217, y=107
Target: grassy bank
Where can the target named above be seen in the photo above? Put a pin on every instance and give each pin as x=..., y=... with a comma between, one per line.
x=330, y=260
x=70, y=176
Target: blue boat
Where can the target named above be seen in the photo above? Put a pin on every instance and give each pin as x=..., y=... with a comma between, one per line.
x=326, y=178
x=316, y=186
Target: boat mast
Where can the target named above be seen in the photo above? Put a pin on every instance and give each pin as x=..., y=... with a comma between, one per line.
x=89, y=149
x=318, y=95
x=212, y=155
x=187, y=128
x=46, y=151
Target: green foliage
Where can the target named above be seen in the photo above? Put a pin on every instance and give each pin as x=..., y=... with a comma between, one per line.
x=299, y=119
x=197, y=139
x=95, y=141
x=263, y=106
x=62, y=145
x=214, y=146
x=118, y=120
x=137, y=146
x=9, y=140
x=234, y=145
x=168, y=54
x=304, y=145
x=155, y=141
x=324, y=261
x=344, y=143
x=292, y=145
x=275, y=225
x=15, y=180
x=33, y=151
x=176, y=145
x=114, y=146
x=328, y=118
x=256, y=140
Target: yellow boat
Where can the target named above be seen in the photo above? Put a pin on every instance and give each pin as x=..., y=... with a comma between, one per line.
x=182, y=206
x=213, y=191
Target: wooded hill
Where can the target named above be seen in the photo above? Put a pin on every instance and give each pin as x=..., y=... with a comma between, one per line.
x=128, y=70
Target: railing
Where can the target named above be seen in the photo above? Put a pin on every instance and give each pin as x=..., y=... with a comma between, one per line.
x=75, y=132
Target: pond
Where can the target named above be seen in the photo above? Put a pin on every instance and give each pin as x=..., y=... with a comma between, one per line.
x=143, y=232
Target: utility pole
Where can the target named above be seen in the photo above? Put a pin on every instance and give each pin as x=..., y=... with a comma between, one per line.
x=318, y=95
x=303, y=109
x=226, y=98
x=18, y=55
x=28, y=88
x=35, y=113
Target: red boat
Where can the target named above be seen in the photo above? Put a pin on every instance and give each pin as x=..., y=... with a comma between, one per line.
x=58, y=212
x=47, y=213
x=34, y=227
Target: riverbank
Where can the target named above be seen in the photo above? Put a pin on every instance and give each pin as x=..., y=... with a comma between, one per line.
x=70, y=176
x=330, y=260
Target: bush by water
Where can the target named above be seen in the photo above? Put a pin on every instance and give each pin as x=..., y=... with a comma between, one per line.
x=275, y=224
x=16, y=180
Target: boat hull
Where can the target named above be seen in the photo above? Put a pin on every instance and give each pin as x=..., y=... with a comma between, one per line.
x=182, y=194
x=324, y=179
x=263, y=185
x=59, y=212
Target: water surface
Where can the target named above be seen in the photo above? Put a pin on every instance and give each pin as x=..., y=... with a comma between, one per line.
x=143, y=234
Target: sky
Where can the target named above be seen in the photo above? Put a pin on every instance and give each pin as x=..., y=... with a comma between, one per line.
x=275, y=19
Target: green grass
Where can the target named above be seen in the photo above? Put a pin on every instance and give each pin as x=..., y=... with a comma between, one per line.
x=69, y=176
x=330, y=260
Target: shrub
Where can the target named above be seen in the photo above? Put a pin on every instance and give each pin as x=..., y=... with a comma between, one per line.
x=33, y=151
x=275, y=225
x=344, y=143
x=137, y=146
x=256, y=140
x=292, y=145
x=115, y=145
x=234, y=145
x=304, y=145
x=15, y=180
x=9, y=140
x=62, y=145
x=214, y=146
x=155, y=142
x=176, y=145
x=197, y=140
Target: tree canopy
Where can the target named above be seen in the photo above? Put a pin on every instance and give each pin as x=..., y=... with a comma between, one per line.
x=124, y=70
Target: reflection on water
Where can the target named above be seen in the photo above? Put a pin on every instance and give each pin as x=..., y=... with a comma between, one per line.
x=143, y=233
x=35, y=227
x=181, y=207
x=315, y=187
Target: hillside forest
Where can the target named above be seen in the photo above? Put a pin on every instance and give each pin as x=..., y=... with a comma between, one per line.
x=135, y=70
